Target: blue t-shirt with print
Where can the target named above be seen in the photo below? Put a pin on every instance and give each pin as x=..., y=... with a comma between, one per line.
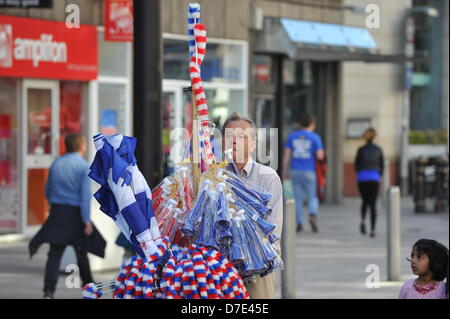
x=304, y=145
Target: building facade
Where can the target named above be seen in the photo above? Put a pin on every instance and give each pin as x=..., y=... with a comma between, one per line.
x=429, y=97
x=258, y=63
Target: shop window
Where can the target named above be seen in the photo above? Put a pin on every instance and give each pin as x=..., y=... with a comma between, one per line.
x=224, y=75
x=176, y=55
x=114, y=111
x=9, y=196
x=299, y=93
x=112, y=108
x=168, y=101
x=304, y=91
x=113, y=57
x=222, y=102
x=223, y=62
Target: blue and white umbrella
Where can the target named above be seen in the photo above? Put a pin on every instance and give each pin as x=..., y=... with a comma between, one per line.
x=124, y=194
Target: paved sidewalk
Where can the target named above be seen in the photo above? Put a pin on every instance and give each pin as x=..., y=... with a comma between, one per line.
x=330, y=264
x=23, y=278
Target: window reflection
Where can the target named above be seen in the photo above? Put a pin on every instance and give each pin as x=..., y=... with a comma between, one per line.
x=222, y=102
x=111, y=108
x=109, y=51
x=223, y=62
x=39, y=121
x=70, y=111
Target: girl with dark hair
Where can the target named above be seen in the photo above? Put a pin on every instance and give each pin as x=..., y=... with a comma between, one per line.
x=369, y=166
x=429, y=261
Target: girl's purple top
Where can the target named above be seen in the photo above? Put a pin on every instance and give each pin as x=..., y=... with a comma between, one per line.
x=410, y=291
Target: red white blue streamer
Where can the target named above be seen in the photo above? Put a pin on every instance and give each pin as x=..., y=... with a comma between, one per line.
x=197, y=51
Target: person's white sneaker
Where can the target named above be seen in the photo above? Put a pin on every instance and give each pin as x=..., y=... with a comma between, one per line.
x=48, y=295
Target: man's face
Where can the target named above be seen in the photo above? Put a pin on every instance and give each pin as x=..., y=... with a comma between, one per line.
x=238, y=136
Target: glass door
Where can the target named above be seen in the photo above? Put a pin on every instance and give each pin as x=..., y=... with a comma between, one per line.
x=265, y=121
x=9, y=159
x=172, y=119
x=40, y=146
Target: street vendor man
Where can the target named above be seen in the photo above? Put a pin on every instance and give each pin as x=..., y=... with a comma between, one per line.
x=239, y=134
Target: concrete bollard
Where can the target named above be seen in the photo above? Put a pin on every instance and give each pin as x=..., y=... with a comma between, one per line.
x=288, y=251
x=441, y=185
x=420, y=187
x=393, y=234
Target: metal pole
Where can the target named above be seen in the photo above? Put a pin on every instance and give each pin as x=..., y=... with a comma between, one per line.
x=405, y=146
x=288, y=251
x=196, y=170
x=279, y=111
x=393, y=233
x=409, y=52
x=147, y=87
x=441, y=198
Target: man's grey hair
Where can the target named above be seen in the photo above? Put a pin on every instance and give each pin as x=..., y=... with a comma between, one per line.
x=236, y=117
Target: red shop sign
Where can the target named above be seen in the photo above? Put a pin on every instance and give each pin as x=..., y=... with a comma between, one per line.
x=46, y=49
x=262, y=73
x=119, y=20
x=40, y=118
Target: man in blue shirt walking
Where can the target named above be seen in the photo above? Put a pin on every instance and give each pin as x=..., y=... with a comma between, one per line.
x=302, y=149
x=68, y=190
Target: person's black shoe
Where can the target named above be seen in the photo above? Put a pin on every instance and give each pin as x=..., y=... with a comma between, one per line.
x=372, y=233
x=313, y=222
x=299, y=228
x=363, y=229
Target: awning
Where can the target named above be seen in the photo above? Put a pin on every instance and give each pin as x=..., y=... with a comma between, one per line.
x=316, y=41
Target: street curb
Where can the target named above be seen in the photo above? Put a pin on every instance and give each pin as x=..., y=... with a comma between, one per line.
x=13, y=238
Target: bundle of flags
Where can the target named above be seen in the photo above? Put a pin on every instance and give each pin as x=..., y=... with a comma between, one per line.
x=176, y=273
x=158, y=271
x=228, y=215
x=173, y=198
